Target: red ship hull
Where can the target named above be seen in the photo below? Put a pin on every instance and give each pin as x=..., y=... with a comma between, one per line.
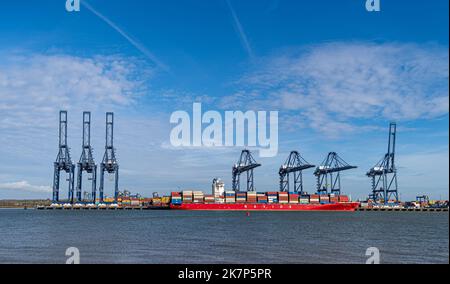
x=348, y=206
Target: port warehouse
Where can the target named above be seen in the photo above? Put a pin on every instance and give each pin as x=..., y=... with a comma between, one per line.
x=383, y=175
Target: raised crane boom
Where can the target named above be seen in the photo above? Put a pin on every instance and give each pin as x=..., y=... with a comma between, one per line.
x=328, y=174
x=294, y=164
x=87, y=163
x=246, y=164
x=109, y=162
x=63, y=161
x=384, y=173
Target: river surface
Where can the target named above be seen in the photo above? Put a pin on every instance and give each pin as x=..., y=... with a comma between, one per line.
x=31, y=236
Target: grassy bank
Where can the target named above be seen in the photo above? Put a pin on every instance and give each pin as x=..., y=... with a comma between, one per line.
x=23, y=203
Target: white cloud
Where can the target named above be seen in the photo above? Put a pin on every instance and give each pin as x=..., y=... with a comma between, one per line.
x=336, y=83
x=34, y=87
x=25, y=186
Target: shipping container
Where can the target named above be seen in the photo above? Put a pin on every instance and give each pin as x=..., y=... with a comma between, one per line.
x=343, y=198
x=324, y=198
x=176, y=201
x=262, y=198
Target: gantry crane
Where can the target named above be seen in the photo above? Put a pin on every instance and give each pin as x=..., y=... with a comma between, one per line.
x=109, y=163
x=294, y=164
x=87, y=162
x=384, y=173
x=246, y=164
x=423, y=199
x=329, y=174
x=63, y=161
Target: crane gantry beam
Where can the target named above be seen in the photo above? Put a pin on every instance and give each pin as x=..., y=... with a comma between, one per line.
x=294, y=164
x=109, y=163
x=246, y=164
x=329, y=174
x=384, y=173
x=87, y=163
x=63, y=161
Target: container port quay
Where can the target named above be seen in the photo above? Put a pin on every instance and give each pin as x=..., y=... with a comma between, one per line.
x=291, y=195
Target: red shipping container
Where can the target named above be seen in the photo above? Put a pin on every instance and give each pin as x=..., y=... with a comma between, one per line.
x=343, y=198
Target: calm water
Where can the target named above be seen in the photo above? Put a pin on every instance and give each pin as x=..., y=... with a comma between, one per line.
x=30, y=236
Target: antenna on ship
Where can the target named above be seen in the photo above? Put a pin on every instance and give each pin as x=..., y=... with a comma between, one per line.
x=384, y=173
x=87, y=163
x=329, y=174
x=246, y=164
x=294, y=164
x=63, y=161
x=109, y=163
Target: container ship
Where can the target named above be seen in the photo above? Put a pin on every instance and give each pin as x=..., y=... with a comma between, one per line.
x=260, y=201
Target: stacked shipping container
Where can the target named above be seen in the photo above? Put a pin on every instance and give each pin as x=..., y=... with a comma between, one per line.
x=261, y=197
x=314, y=199
x=283, y=197
x=293, y=198
x=252, y=197
x=187, y=196
x=176, y=198
x=245, y=197
x=230, y=197
x=304, y=199
x=198, y=196
x=241, y=197
x=324, y=198
x=344, y=198
x=334, y=198
x=209, y=198
x=272, y=197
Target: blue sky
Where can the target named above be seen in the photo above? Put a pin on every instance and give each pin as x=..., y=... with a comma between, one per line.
x=336, y=73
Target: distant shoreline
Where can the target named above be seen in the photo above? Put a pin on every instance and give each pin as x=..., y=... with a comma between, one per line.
x=21, y=204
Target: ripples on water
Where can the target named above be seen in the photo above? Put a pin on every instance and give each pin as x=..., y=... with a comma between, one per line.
x=30, y=236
